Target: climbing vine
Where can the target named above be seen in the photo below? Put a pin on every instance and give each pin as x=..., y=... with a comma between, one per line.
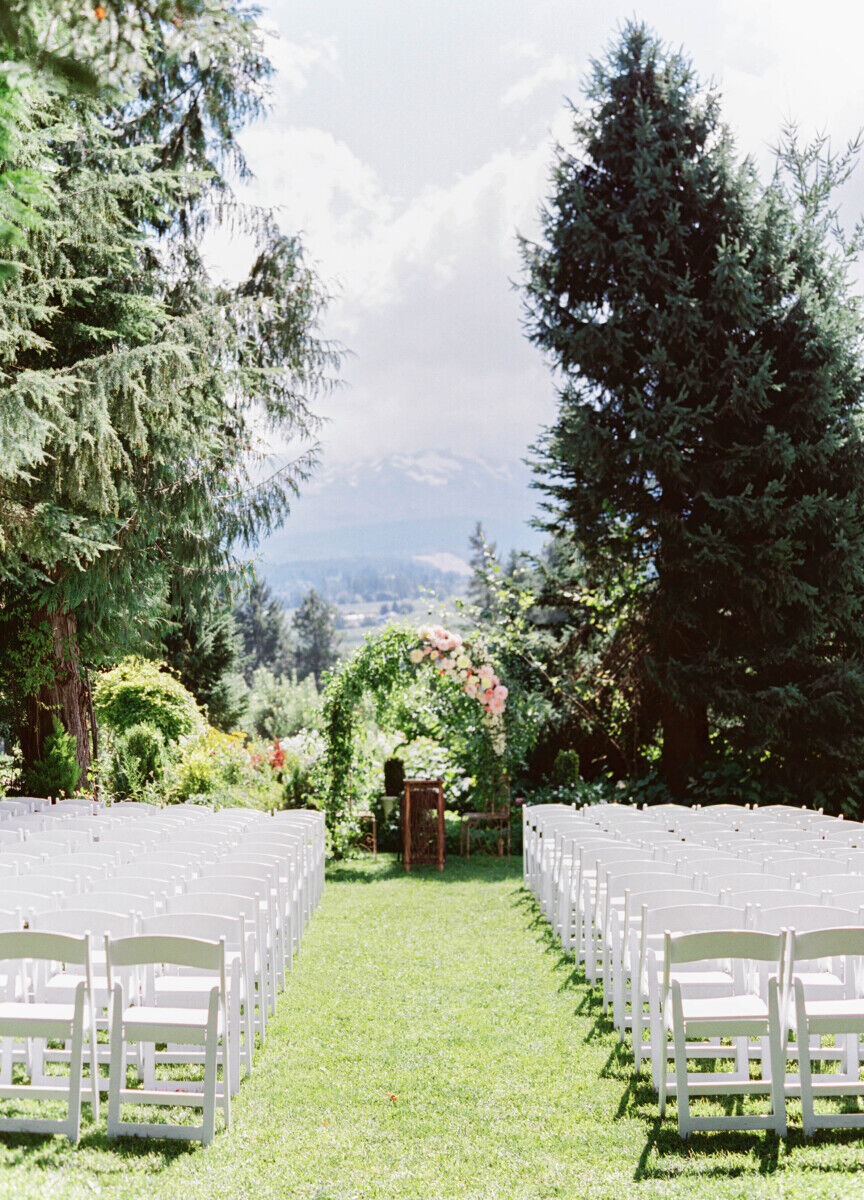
x=469, y=712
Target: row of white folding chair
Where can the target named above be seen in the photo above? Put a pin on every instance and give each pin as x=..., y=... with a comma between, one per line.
x=657, y=920
x=534, y=819
x=179, y=990
x=164, y=871
x=837, y=1012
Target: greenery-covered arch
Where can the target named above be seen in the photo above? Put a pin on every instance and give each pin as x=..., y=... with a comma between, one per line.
x=472, y=702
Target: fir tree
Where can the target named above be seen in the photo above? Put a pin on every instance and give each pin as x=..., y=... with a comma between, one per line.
x=263, y=629
x=706, y=462
x=317, y=648
x=483, y=561
x=203, y=646
x=140, y=394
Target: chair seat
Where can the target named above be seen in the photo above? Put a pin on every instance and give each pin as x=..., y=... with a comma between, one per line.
x=708, y=982
x=723, y=1008
x=143, y=1016
x=816, y=982
x=835, y=1016
x=45, y=1018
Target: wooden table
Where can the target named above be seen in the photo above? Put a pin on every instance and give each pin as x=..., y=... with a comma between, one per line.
x=476, y=820
x=369, y=836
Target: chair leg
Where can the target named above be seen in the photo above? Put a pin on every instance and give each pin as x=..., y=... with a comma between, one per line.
x=211, y=1058
x=804, y=1070
x=76, y=1064
x=94, y=1063
x=679, y=1038
x=226, y=1100
x=234, y=1016
x=776, y=1059
x=636, y=991
x=117, y=1066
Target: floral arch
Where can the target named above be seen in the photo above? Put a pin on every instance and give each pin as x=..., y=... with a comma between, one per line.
x=474, y=699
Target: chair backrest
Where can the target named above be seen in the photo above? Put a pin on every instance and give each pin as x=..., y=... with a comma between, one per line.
x=620, y=878
x=68, y=866
x=667, y=897
x=740, y=883
x=693, y=858
x=225, y=904
x=230, y=884
x=816, y=885
x=814, y=869
x=45, y=947
x=849, y=896
x=802, y=917
x=736, y=945
x=804, y=946
x=78, y=921
x=27, y=887
x=119, y=886
x=211, y=927
x=766, y=897
x=139, y=951
x=691, y=918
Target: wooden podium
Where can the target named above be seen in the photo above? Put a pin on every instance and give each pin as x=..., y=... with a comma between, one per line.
x=423, y=823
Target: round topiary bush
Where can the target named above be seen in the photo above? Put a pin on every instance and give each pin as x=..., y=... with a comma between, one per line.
x=139, y=692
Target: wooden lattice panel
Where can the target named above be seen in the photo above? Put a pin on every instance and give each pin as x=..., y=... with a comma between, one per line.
x=423, y=823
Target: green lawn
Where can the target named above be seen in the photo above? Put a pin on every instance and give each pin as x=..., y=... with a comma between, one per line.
x=432, y=1043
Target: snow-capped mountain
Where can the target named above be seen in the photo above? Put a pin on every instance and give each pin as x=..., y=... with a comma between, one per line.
x=407, y=505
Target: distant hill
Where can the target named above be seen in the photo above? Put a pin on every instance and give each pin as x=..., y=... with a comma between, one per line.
x=406, y=506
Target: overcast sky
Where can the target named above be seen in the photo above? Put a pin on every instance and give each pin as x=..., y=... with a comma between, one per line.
x=410, y=139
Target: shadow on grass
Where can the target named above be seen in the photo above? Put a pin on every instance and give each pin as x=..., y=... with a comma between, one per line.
x=665, y=1156
x=43, y=1151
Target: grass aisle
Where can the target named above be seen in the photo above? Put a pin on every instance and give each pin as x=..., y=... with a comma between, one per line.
x=432, y=1044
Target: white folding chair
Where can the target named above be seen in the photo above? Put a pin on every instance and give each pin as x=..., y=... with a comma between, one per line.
x=814, y=1018
x=258, y=889
x=696, y=980
x=741, y=1014
x=141, y=1020
x=31, y=1017
x=185, y=988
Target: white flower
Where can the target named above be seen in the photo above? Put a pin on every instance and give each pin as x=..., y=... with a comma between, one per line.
x=416, y=656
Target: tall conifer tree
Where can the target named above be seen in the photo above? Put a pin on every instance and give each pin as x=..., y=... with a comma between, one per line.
x=137, y=388
x=706, y=460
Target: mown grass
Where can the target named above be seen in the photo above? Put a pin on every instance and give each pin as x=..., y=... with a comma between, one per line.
x=433, y=1044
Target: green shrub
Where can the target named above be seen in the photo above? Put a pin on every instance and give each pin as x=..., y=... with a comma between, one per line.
x=138, y=760
x=139, y=692
x=218, y=767
x=57, y=773
x=566, y=768
x=279, y=706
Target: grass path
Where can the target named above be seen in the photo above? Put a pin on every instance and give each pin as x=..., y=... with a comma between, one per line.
x=433, y=1044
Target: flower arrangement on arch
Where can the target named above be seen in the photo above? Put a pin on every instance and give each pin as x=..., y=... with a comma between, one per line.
x=451, y=657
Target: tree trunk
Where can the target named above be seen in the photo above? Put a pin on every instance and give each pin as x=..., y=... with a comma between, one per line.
x=685, y=743
x=66, y=696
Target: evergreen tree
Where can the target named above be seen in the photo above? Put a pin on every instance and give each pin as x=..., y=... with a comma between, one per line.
x=706, y=461
x=263, y=628
x=203, y=646
x=483, y=561
x=317, y=647
x=136, y=389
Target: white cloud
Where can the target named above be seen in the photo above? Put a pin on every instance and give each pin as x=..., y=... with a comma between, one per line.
x=555, y=70
x=295, y=62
